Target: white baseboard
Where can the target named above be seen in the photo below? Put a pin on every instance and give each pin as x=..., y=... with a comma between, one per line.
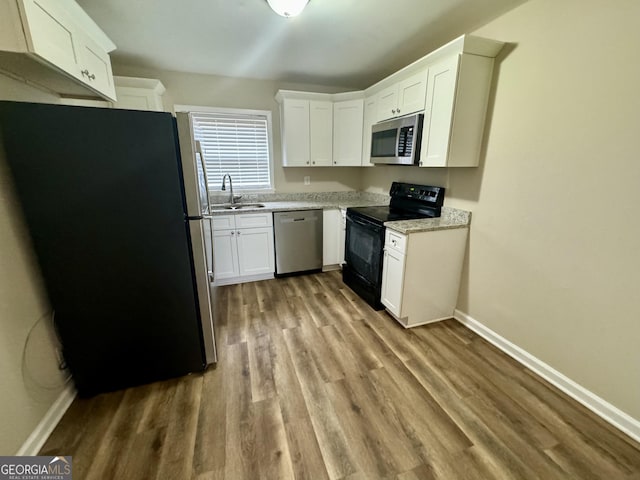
x=245, y=279
x=39, y=436
x=597, y=405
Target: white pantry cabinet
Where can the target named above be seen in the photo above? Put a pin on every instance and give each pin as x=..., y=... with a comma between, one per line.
x=402, y=98
x=56, y=46
x=456, y=107
x=243, y=248
x=421, y=274
x=348, y=117
x=139, y=93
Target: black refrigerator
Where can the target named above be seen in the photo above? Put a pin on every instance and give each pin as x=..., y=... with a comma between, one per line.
x=117, y=212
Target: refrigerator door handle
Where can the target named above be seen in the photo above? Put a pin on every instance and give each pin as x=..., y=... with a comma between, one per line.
x=212, y=277
x=204, y=172
x=203, y=288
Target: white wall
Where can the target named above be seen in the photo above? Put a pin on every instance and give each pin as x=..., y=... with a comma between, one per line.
x=28, y=387
x=217, y=91
x=554, y=257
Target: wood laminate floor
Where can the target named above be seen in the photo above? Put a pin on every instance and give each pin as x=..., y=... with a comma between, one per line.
x=313, y=384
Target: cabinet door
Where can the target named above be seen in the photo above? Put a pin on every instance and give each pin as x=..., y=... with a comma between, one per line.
x=295, y=133
x=412, y=93
x=348, y=120
x=439, y=112
x=50, y=35
x=95, y=66
x=132, y=98
x=392, y=281
x=255, y=251
x=369, y=119
x=331, y=227
x=225, y=254
x=320, y=133
x=387, y=103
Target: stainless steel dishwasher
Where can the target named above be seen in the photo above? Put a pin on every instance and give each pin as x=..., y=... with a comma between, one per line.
x=298, y=241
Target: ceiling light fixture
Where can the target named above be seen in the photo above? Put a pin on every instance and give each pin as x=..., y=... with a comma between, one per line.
x=288, y=8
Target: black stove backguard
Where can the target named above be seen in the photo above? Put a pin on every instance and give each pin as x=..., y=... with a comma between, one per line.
x=364, y=242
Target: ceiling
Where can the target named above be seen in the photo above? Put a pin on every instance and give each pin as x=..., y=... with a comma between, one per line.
x=344, y=43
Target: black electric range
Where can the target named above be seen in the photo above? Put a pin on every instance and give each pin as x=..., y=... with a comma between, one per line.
x=365, y=233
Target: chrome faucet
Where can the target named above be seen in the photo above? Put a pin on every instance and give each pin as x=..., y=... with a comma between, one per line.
x=232, y=197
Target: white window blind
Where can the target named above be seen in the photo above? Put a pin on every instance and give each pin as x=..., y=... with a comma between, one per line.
x=237, y=144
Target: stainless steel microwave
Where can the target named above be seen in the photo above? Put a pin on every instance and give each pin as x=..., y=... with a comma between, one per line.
x=397, y=141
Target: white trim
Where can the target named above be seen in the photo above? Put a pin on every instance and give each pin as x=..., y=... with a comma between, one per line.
x=597, y=405
x=41, y=433
x=205, y=109
x=247, y=279
x=241, y=111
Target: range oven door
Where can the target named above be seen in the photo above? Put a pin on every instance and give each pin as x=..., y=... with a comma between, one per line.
x=363, y=256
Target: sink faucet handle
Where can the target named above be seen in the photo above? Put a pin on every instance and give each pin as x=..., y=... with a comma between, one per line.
x=237, y=197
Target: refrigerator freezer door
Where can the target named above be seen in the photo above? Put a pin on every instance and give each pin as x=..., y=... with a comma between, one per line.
x=193, y=171
x=200, y=229
x=102, y=197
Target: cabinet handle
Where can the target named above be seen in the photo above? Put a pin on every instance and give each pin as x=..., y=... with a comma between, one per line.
x=90, y=76
x=313, y=163
x=307, y=163
x=393, y=110
x=398, y=110
x=335, y=163
x=233, y=233
x=238, y=232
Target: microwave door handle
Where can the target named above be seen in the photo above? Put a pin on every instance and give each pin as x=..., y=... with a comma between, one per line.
x=204, y=172
x=398, y=133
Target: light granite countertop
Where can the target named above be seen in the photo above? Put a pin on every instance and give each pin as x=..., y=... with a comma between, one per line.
x=300, y=201
x=283, y=202
x=450, y=218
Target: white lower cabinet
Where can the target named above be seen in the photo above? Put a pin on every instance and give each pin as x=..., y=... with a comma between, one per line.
x=243, y=248
x=392, y=278
x=421, y=274
x=332, y=239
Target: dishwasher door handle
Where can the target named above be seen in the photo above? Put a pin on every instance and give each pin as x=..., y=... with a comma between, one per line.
x=299, y=219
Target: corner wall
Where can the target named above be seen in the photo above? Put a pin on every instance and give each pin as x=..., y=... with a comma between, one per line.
x=554, y=254
x=30, y=381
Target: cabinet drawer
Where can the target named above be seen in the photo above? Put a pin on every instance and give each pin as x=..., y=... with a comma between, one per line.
x=224, y=222
x=252, y=220
x=395, y=241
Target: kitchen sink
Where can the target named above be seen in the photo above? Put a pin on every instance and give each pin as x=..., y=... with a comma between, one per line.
x=237, y=206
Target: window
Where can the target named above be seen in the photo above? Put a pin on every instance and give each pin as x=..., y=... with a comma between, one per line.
x=236, y=142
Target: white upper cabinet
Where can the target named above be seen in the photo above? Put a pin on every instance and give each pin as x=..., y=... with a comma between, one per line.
x=455, y=111
x=53, y=45
x=139, y=93
x=451, y=85
x=348, y=117
x=320, y=133
x=307, y=133
x=370, y=113
x=402, y=98
x=51, y=34
x=95, y=66
x=295, y=133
